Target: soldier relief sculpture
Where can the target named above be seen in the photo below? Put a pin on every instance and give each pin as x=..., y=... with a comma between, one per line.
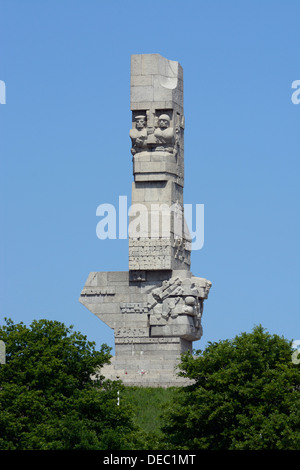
x=139, y=135
x=160, y=138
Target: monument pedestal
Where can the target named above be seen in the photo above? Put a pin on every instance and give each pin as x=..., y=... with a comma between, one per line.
x=147, y=362
x=155, y=315
x=150, y=368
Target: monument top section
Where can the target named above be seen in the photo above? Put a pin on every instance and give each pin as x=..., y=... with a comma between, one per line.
x=155, y=79
x=157, y=133
x=157, y=138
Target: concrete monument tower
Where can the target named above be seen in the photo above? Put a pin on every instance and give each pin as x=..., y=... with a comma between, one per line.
x=155, y=307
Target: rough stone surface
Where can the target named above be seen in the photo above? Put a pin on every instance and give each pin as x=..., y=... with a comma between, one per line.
x=155, y=307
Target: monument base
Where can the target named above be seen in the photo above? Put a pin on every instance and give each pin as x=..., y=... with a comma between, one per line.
x=155, y=316
x=153, y=377
x=149, y=362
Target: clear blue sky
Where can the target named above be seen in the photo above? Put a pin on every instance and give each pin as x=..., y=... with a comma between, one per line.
x=65, y=149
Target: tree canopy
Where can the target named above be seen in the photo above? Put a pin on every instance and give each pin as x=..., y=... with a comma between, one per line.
x=246, y=395
x=48, y=398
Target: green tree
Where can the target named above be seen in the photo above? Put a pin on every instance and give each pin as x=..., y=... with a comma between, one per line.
x=245, y=395
x=48, y=397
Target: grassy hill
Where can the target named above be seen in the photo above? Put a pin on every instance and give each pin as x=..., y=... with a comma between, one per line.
x=148, y=404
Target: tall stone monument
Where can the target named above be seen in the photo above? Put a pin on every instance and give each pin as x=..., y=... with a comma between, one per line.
x=155, y=307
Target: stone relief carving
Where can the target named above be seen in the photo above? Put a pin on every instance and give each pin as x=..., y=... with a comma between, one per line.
x=133, y=307
x=99, y=291
x=173, y=300
x=147, y=253
x=131, y=332
x=162, y=137
x=164, y=134
x=137, y=276
x=138, y=135
x=182, y=249
x=178, y=297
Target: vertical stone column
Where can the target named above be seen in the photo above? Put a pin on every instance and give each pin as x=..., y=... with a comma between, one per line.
x=157, y=137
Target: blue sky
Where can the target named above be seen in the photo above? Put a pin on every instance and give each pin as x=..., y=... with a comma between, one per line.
x=65, y=149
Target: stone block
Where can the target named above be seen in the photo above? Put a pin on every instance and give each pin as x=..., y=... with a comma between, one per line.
x=139, y=177
x=107, y=308
x=92, y=280
x=163, y=88
x=138, y=94
x=117, y=276
x=150, y=64
x=141, y=80
x=136, y=64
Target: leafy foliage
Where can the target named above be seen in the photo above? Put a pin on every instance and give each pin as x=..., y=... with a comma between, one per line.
x=48, y=399
x=245, y=396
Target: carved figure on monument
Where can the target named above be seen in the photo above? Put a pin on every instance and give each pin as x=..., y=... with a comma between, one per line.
x=164, y=134
x=138, y=135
